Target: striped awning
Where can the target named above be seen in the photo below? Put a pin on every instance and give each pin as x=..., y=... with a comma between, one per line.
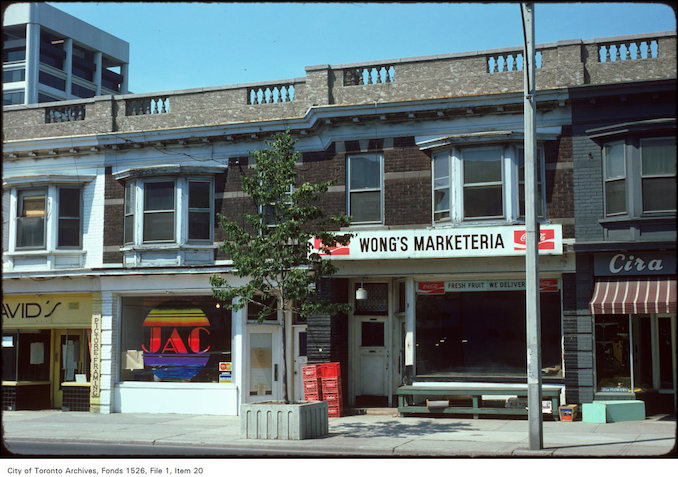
x=633, y=296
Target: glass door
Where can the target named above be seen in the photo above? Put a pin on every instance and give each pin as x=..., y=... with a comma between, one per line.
x=264, y=363
x=666, y=331
x=71, y=361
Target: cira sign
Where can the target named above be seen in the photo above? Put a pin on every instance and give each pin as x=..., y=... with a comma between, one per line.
x=174, y=350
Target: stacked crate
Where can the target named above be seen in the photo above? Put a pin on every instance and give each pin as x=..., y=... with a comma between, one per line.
x=311, y=382
x=330, y=377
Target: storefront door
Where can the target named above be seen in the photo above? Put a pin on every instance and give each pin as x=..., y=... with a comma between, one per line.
x=666, y=353
x=373, y=361
x=300, y=360
x=70, y=363
x=264, y=363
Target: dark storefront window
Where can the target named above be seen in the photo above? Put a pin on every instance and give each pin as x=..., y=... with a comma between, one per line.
x=25, y=356
x=613, y=363
x=483, y=334
x=179, y=339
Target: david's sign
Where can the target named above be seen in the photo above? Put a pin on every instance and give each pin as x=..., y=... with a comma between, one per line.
x=445, y=243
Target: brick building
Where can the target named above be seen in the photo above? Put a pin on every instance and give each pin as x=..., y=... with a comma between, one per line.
x=426, y=154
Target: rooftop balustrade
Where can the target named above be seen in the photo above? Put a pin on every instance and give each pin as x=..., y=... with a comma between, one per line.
x=559, y=65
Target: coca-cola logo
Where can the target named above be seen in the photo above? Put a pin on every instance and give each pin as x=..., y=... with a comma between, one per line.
x=431, y=288
x=336, y=250
x=547, y=239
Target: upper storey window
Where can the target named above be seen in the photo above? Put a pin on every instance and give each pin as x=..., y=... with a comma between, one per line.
x=170, y=210
x=640, y=176
x=658, y=172
x=482, y=183
x=38, y=230
x=365, y=188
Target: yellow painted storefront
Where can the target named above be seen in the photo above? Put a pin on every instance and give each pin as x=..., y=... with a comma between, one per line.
x=50, y=351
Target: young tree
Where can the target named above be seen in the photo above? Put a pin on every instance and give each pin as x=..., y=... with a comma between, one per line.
x=273, y=249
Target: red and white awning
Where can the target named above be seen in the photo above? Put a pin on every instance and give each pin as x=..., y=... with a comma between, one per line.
x=633, y=296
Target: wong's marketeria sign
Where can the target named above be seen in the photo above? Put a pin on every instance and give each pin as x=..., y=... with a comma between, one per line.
x=444, y=243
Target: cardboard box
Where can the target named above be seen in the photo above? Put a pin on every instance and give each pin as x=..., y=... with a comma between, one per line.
x=568, y=412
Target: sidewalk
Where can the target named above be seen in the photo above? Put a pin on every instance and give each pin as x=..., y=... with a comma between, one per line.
x=363, y=435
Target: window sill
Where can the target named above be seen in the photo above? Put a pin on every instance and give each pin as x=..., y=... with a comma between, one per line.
x=623, y=219
x=19, y=253
x=167, y=247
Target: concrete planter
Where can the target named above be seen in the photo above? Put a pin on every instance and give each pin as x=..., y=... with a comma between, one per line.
x=277, y=420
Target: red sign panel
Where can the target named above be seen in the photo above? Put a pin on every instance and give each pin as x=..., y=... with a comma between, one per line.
x=547, y=239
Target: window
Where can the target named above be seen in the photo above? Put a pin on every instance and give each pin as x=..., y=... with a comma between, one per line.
x=130, y=201
x=32, y=217
x=69, y=232
x=15, y=97
x=178, y=339
x=52, y=81
x=30, y=230
x=483, y=334
x=158, y=212
x=199, y=210
x=482, y=183
x=615, y=178
x=658, y=170
x=365, y=188
x=81, y=91
x=639, y=176
x=168, y=210
x=11, y=76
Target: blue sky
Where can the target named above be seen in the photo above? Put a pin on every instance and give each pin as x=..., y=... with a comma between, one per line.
x=191, y=45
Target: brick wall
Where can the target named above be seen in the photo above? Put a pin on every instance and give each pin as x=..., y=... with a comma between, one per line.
x=114, y=214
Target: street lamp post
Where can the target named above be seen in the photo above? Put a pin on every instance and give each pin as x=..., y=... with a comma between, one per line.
x=534, y=405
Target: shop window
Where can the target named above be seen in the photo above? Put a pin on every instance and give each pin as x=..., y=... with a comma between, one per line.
x=365, y=188
x=483, y=334
x=32, y=221
x=26, y=355
x=153, y=214
x=613, y=359
x=482, y=183
x=182, y=339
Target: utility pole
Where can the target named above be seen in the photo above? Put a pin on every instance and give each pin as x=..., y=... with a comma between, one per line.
x=533, y=320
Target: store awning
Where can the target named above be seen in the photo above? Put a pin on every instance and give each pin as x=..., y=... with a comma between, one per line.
x=633, y=296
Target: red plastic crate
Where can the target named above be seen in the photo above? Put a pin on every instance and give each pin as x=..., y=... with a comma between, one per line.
x=334, y=411
x=312, y=386
x=310, y=371
x=312, y=397
x=332, y=397
x=332, y=385
x=330, y=370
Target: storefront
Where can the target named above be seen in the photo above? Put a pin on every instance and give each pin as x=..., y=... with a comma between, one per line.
x=47, y=352
x=634, y=309
x=446, y=305
x=176, y=355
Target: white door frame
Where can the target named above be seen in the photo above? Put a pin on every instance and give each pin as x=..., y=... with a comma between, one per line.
x=299, y=361
x=276, y=371
x=354, y=329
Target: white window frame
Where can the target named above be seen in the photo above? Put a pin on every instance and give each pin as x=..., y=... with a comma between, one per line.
x=51, y=219
x=137, y=214
x=624, y=178
x=350, y=191
x=644, y=141
x=511, y=181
